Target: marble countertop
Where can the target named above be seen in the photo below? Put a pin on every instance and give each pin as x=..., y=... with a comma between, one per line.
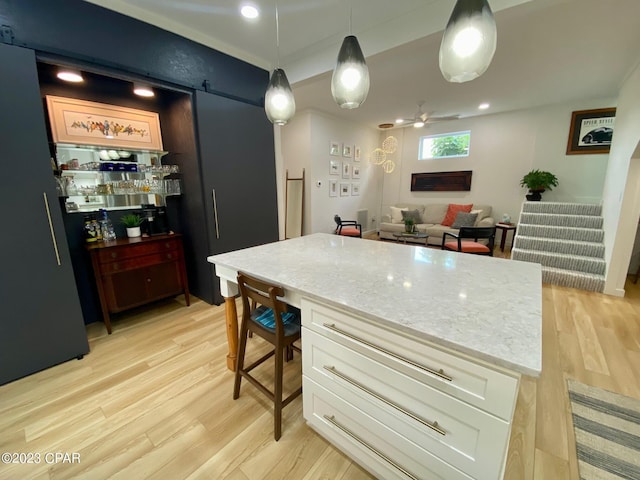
x=489, y=308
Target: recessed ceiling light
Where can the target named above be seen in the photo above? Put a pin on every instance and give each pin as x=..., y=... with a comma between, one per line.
x=399, y=120
x=70, y=75
x=483, y=106
x=249, y=11
x=143, y=90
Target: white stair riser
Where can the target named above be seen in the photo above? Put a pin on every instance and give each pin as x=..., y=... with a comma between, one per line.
x=569, y=247
x=565, y=262
x=577, y=234
x=576, y=221
x=562, y=208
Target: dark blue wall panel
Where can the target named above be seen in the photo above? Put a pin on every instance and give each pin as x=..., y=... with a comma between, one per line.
x=93, y=34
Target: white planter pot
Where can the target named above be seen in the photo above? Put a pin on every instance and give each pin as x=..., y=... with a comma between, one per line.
x=133, y=232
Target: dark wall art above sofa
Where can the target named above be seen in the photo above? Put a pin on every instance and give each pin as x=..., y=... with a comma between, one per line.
x=441, y=181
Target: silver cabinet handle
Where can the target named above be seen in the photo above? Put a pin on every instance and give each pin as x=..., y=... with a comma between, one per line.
x=438, y=373
x=433, y=426
x=215, y=212
x=53, y=233
x=332, y=420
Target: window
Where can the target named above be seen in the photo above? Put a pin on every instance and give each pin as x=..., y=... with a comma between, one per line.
x=445, y=145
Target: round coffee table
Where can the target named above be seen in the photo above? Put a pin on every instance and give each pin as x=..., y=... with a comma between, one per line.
x=404, y=236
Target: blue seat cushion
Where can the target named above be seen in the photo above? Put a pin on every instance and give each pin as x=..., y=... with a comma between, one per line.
x=290, y=319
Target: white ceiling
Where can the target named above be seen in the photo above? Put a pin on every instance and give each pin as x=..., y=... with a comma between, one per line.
x=548, y=51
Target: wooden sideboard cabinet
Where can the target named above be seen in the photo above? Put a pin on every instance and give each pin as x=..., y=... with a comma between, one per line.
x=130, y=272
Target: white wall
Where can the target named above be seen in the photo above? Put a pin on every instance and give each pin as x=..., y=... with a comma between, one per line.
x=305, y=144
x=504, y=147
x=621, y=206
x=294, y=156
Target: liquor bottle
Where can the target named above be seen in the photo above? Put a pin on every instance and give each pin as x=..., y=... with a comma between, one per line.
x=108, y=232
x=89, y=230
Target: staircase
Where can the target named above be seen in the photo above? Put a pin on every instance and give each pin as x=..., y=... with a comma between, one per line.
x=566, y=239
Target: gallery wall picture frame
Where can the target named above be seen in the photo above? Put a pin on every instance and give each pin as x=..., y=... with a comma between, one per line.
x=357, y=153
x=345, y=189
x=347, y=151
x=591, y=131
x=80, y=122
x=334, y=167
x=346, y=170
x=334, y=149
x=333, y=188
x=355, y=171
x=355, y=189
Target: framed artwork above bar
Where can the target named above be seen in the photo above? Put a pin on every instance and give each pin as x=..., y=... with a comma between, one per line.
x=441, y=181
x=79, y=122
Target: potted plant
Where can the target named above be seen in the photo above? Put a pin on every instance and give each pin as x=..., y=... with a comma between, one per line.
x=132, y=222
x=409, y=225
x=537, y=181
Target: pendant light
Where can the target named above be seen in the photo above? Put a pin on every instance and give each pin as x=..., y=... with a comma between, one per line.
x=469, y=41
x=279, y=104
x=350, y=80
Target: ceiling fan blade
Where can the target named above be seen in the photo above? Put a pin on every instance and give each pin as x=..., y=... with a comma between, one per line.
x=442, y=119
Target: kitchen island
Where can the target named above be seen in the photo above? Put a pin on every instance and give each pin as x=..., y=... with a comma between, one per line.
x=411, y=356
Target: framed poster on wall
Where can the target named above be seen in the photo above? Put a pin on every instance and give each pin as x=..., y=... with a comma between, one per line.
x=591, y=131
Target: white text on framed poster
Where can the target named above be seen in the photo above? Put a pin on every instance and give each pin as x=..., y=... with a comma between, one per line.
x=80, y=122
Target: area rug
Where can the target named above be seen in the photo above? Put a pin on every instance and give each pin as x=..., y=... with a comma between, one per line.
x=607, y=429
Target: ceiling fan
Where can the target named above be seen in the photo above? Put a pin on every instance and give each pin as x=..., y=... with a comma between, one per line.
x=420, y=119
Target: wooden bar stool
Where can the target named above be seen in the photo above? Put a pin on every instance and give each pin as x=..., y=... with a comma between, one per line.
x=276, y=322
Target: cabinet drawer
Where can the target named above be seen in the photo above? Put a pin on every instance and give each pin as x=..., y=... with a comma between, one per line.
x=144, y=248
x=381, y=450
x=460, y=434
x=139, y=262
x=452, y=373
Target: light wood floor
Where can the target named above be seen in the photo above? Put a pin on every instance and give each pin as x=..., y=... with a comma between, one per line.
x=153, y=400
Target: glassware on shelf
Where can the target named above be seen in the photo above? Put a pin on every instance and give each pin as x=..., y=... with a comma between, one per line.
x=172, y=186
x=72, y=188
x=61, y=186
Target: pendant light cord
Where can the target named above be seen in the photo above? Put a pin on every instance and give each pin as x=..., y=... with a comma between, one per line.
x=350, y=19
x=277, y=37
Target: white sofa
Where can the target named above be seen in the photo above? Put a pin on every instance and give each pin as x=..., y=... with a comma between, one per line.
x=432, y=214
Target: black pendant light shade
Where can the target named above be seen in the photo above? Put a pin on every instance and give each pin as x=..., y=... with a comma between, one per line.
x=279, y=104
x=469, y=41
x=350, y=81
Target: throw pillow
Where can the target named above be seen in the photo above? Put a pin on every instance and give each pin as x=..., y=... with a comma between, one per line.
x=396, y=215
x=452, y=211
x=411, y=215
x=464, y=219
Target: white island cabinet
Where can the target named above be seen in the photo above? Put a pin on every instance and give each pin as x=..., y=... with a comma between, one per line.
x=411, y=356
